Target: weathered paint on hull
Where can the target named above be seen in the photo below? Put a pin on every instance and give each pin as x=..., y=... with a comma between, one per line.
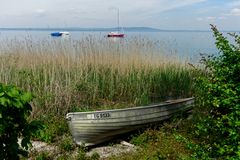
x=91, y=128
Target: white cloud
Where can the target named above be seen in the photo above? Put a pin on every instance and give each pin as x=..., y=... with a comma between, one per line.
x=234, y=3
x=222, y=18
x=131, y=10
x=235, y=12
x=200, y=19
x=97, y=5
x=211, y=18
x=40, y=11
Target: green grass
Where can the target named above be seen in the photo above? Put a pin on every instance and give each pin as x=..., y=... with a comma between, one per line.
x=91, y=74
x=159, y=142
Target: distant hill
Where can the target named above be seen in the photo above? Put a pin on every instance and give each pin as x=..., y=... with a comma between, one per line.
x=127, y=29
x=143, y=29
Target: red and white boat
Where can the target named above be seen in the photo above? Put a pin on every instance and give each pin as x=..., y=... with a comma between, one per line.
x=117, y=34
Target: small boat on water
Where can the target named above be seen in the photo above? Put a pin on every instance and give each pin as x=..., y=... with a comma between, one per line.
x=117, y=34
x=56, y=34
x=59, y=34
x=91, y=128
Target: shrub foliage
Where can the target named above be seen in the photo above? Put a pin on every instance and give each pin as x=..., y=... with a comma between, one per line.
x=14, y=110
x=220, y=97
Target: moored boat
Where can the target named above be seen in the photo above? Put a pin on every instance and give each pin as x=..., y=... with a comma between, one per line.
x=56, y=34
x=115, y=34
x=65, y=33
x=91, y=128
x=59, y=34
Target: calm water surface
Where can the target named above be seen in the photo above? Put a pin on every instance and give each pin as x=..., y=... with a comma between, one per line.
x=188, y=44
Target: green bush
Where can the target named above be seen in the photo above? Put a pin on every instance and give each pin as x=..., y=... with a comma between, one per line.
x=14, y=111
x=219, y=97
x=53, y=126
x=67, y=144
x=144, y=138
x=44, y=156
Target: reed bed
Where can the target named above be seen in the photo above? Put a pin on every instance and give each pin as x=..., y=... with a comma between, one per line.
x=93, y=73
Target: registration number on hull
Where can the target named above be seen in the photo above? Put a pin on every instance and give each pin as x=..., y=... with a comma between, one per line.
x=102, y=115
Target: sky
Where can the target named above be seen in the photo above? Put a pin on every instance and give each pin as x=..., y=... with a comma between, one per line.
x=162, y=14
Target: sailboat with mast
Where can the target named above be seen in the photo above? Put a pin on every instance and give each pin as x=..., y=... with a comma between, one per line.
x=117, y=33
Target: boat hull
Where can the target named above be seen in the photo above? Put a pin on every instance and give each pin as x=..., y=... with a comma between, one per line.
x=116, y=35
x=56, y=34
x=91, y=128
x=59, y=34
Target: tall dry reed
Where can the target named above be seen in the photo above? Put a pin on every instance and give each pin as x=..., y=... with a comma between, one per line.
x=73, y=75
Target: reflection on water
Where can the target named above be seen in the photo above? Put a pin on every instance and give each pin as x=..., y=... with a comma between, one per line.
x=115, y=39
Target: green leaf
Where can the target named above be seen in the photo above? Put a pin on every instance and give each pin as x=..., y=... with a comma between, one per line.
x=1, y=94
x=219, y=92
x=4, y=101
x=14, y=109
x=13, y=92
x=26, y=97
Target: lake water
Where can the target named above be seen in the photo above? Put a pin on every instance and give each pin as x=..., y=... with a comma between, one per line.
x=189, y=44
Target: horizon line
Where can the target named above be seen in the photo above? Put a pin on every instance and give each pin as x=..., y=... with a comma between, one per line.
x=110, y=29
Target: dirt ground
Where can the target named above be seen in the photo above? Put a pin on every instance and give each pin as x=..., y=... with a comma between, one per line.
x=102, y=151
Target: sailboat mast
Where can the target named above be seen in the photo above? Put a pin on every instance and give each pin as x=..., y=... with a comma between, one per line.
x=117, y=33
x=118, y=19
